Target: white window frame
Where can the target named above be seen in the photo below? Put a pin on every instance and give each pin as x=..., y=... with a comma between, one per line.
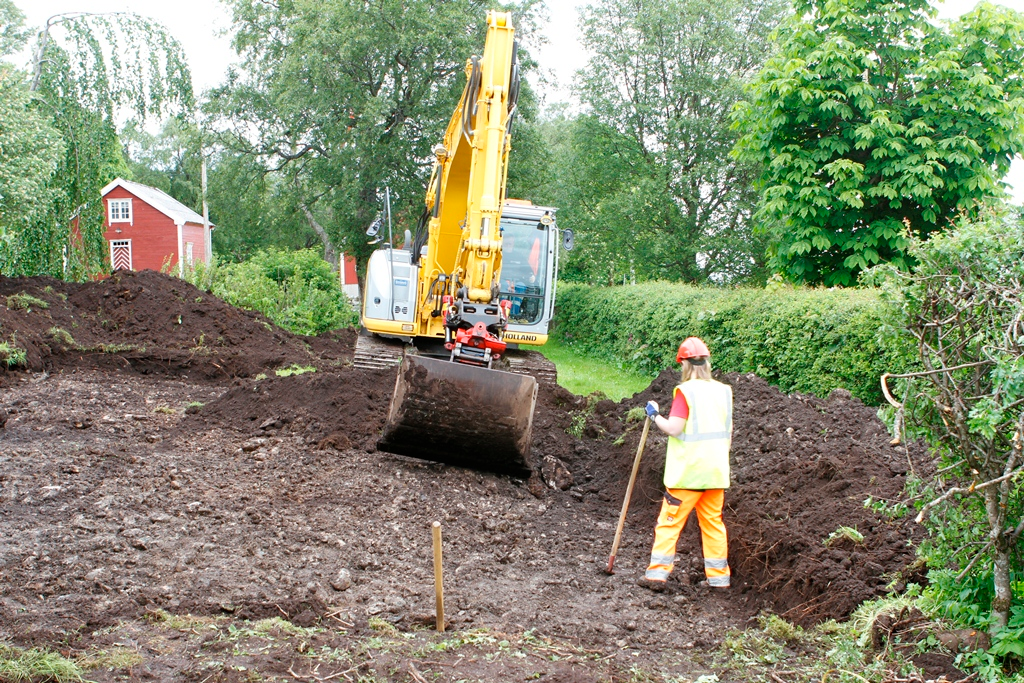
x=123, y=210
x=188, y=254
x=122, y=243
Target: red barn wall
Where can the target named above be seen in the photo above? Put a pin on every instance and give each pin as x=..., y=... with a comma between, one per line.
x=154, y=236
x=349, y=271
x=193, y=233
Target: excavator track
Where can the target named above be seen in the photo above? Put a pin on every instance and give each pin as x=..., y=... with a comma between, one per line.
x=377, y=353
x=532, y=363
x=373, y=352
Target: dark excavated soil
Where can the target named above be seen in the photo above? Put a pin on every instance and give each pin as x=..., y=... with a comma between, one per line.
x=802, y=468
x=152, y=324
x=114, y=502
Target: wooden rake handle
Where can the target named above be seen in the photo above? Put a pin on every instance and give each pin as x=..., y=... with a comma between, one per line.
x=629, y=494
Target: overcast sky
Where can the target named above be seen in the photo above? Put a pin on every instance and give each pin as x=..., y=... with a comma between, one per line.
x=202, y=27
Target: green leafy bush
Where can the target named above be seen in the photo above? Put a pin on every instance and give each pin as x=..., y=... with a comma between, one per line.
x=961, y=307
x=295, y=289
x=800, y=339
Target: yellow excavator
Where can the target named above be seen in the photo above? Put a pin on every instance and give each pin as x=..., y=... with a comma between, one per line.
x=477, y=280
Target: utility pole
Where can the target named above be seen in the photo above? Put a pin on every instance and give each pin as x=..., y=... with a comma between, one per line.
x=207, y=233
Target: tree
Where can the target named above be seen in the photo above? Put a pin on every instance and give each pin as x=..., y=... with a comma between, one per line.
x=654, y=190
x=342, y=99
x=13, y=35
x=254, y=210
x=870, y=118
x=961, y=308
x=29, y=146
x=170, y=160
x=87, y=71
x=250, y=209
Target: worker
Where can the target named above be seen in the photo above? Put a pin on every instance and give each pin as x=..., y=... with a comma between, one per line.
x=699, y=427
x=534, y=259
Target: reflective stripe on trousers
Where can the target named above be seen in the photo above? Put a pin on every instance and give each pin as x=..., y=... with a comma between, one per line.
x=675, y=508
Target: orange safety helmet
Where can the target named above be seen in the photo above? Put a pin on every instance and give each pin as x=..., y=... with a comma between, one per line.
x=692, y=347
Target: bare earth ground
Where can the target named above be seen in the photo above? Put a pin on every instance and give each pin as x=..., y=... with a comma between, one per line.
x=131, y=514
x=262, y=536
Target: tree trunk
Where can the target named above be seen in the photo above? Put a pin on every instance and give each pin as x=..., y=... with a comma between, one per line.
x=1001, y=567
x=330, y=251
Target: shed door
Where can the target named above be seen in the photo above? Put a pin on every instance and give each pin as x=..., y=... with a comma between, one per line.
x=121, y=254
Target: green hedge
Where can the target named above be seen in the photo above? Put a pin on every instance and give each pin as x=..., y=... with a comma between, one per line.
x=807, y=340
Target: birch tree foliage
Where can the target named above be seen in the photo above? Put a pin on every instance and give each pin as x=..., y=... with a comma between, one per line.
x=13, y=35
x=658, y=89
x=89, y=71
x=29, y=146
x=29, y=151
x=872, y=117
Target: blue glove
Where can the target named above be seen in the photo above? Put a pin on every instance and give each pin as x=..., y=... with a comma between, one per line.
x=652, y=411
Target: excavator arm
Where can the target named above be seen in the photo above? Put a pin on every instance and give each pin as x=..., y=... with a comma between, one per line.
x=465, y=198
x=480, y=130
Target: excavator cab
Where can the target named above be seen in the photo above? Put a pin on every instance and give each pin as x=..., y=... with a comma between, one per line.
x=529, y=268
x=456, y=412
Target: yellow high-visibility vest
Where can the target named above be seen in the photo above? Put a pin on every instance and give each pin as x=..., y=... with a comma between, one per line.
x=698, y=459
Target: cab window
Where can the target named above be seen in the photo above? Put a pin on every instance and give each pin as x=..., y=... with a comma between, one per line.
x=524, y=270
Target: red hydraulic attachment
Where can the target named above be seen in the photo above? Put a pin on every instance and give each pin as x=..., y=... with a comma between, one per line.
x=477, y=346
x=478, y=337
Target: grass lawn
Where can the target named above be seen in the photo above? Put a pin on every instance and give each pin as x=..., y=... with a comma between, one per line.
x=583, y=375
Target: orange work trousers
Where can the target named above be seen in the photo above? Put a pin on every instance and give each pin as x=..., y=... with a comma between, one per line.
x=675, y=508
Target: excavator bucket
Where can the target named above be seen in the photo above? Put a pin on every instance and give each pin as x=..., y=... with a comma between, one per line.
x=461, y=415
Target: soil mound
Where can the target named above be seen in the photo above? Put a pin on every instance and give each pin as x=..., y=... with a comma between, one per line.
x=150, y=323
x=344, y=409
x=802, y=468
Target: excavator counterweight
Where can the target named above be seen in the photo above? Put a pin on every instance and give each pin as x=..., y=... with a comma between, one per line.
x=461, y=415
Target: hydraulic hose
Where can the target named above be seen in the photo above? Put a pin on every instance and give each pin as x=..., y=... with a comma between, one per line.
x=513, y=79
x=469, y=105
x=513, y=88
x=422, y=232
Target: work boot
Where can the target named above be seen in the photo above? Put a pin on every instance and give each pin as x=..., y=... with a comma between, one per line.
x=651, y=584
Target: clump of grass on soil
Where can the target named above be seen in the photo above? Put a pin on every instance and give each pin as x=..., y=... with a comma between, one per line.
x=63, y=336
x=176, y=621
x=17, y=665
x=11, y=354
x=25, y=302
x=265, y=626
x=117, y=658
x=830, y=651
x=844, y=533
x=636, y=414
x=294, y=369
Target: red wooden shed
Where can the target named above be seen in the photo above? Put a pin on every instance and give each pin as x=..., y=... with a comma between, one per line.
x=147, y=228
x=349, y=281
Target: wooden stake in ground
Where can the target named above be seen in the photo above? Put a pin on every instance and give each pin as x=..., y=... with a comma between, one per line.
x=629, y=494
x=438, y=578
